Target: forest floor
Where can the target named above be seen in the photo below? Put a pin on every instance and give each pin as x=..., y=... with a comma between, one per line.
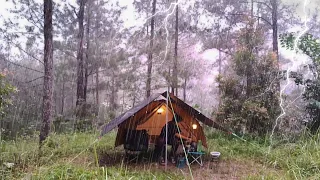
x=81, y=156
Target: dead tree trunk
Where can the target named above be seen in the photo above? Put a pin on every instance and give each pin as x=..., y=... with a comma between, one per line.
x=149, y=71
x=80, y=67
x=48, y=72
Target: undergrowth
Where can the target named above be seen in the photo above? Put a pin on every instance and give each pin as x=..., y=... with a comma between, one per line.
x=298, y=160
x=75, y=156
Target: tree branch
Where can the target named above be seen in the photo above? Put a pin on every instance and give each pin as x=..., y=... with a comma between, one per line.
x=239, y=14
x=22, y=66
x=74, y=10
x=34, y=79
x=16, y=45
x=267, y=5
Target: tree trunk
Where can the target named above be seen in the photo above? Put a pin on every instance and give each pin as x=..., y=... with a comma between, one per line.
x=185, y=89
x=219, y=89
x=80, y=67
x=275, y=27
x=248, y=58
x=149, y=71
x=134, y=101
x=73, y=78
x=252, y=9
x=113, y=97
x=48, y=72
x=274, y=6
x=86, y=75
x=85, y=86
x=175, y=63
x=97, y=86
x=123, y=101
x=63, y=96
x=258, y=14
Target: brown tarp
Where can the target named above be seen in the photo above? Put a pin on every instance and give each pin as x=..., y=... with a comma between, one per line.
x=145, y=116
x=128, y=114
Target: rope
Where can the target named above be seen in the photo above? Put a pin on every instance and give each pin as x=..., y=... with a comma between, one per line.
x=183, y=147
x=95, y=141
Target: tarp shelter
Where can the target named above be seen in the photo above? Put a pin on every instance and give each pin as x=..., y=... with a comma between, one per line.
x=151, y=115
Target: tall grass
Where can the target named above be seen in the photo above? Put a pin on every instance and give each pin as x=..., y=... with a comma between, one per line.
x=298, y=160
x=76, y=172
x=75, y=156
x=22, y=154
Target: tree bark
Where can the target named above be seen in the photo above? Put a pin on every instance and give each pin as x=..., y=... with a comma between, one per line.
x=252, y=9
x=97, y=86
x=63, y=96
x=48, y=72
x=86, y=75
x=80, y=67
x=220, y=69
x=274, y=6
x=275, y=27
x=175, y=63
x=113, y=97
x=149, y=71
x=185, y=89
x=248, y=58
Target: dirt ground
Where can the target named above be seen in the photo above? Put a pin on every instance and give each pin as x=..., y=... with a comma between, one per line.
x=223, y=169
x=230, y=170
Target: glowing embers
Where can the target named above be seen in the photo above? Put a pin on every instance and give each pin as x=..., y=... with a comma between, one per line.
x=160, y=110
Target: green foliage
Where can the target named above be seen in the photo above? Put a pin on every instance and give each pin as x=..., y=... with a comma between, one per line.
x=249, y=98
x=312, y=96
x=5, y=90
x=310, y=46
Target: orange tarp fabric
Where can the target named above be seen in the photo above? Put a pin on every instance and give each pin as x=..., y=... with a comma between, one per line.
x=149, y=119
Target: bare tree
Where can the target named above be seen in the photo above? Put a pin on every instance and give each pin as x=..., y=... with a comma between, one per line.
x=48, y=71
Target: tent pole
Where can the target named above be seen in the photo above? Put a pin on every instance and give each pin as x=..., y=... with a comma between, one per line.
x=166, y=154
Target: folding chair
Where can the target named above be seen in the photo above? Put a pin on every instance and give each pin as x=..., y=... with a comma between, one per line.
x=196, y=156
x=136, y=142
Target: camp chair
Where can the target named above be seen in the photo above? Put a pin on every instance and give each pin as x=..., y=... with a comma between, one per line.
x=136, y=143
x=196, y=156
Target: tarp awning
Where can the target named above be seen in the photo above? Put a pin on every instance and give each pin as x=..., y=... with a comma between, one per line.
x=118, y=120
